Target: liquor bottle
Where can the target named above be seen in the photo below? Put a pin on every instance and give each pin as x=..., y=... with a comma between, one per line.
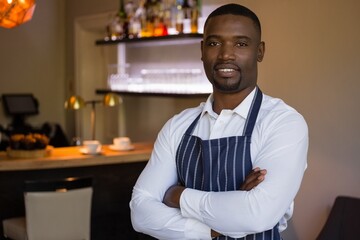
x=195, y=6
x=179, y=16
x=140, y=14
x=167, y=13
x=160, y=28
x=148, y=29
x=133, y=19
x=123, y=19
x=187, y=17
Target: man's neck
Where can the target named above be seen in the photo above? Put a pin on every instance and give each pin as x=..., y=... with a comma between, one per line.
x=229, y=101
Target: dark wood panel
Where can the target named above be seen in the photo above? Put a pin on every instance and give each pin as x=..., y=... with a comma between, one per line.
x=112, y=192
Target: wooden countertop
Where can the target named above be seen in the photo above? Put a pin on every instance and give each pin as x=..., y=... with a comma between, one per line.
x=68, y=157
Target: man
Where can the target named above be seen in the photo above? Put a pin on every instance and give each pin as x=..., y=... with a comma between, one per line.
x=231, y=167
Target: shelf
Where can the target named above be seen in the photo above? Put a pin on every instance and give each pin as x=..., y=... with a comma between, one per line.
x=124, y=44
x=149, y=94
x=173, y=39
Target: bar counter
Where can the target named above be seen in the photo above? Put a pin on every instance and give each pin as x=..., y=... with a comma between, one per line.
x=114, y=174
x=67, y=157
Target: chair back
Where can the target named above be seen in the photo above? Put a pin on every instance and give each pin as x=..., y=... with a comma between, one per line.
x=343, y=221
x=58, y=209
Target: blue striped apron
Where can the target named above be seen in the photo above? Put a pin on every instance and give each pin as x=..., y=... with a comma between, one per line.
x=220, y=164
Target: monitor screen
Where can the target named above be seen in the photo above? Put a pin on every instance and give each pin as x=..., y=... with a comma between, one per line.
x=20, y=104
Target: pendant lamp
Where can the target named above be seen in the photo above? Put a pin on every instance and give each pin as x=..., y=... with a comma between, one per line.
x=15, y=12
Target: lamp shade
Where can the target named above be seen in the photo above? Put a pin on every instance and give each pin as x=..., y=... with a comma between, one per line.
x=112, y=100
x=75, y=103
x=15, y=12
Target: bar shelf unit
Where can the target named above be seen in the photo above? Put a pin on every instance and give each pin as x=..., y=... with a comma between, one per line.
x=174, y=39
x=172, y=42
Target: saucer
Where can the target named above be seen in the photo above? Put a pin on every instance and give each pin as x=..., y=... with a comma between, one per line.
x=118, y=148
x=85, y=151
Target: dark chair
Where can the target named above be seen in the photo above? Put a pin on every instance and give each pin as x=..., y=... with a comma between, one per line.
x=343, y=222
x=55, y=210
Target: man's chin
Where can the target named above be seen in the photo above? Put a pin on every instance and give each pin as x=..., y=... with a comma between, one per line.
x=226, y=88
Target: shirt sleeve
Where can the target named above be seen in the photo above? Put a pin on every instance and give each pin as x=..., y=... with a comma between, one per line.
x=283, y=153
x=148, y=213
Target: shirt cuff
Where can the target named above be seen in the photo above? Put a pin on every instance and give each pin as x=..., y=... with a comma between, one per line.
x=197, y=230
x=190, y=200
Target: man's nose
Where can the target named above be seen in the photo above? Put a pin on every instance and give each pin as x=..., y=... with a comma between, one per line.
x=227, y=52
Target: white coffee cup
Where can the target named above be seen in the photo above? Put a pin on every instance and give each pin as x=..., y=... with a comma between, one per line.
x=122, y=142
x=92, y=146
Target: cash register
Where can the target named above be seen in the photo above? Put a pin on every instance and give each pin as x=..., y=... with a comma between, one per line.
x=18, y=107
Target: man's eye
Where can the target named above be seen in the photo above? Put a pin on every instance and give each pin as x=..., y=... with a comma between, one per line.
x=242, y=44
x=212, y=44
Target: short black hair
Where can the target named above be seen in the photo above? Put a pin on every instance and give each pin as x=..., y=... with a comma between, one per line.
x=235, y=9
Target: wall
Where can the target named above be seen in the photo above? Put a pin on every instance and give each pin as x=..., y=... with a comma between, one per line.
x=310, y=62
x=32, y=61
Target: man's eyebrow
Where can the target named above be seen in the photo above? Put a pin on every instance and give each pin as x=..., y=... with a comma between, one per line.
x=212, y=36
x=234, y=37
x=242, y=37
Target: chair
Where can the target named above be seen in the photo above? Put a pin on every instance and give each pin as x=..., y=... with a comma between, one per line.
x=343, y=222
x=55, y=210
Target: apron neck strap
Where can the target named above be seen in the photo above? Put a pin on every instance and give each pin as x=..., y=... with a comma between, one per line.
x=253, y=112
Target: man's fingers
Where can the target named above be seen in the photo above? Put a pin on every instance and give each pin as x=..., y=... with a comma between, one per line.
x=255, y=177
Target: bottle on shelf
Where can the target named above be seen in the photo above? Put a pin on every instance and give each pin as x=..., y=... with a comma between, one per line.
x=118, y=26
x=195, y=14
x=147, y=18
x=123, y=19
x=140, y=14
x=160, y=28
x=191, y=15
x=187, y=17
x=169, y=16
x=179, y=16
x=147, y=29
x=134, y=19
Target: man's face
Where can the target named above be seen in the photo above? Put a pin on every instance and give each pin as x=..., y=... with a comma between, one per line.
x=230, y=51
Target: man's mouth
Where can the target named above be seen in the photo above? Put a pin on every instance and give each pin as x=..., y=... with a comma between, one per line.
x=226, y=72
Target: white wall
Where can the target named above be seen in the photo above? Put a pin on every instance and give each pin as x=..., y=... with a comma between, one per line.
x=310, y=62
x=32, y=60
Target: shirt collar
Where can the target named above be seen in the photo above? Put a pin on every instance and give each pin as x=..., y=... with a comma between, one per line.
x=242, y=109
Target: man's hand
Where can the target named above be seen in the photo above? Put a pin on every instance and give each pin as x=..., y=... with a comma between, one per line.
x=255, y=177
x=172, y=196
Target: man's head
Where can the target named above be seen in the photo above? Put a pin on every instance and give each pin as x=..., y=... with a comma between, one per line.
x=236, y=9
x=231, y=48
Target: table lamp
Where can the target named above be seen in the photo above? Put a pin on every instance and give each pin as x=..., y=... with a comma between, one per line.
x=15, y=12
x=77, y=102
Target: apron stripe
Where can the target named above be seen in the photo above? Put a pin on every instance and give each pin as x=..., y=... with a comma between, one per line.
x=210, y=167
x=218, y=167
x=190, y=163
x=226, y=164
x=234, y=165
x=244, y=162
x=196, y=168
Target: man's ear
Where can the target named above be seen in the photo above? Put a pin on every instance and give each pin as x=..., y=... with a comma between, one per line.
x=261, y=51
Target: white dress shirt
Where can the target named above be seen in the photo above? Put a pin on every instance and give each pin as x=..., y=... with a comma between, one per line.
x=279, y=145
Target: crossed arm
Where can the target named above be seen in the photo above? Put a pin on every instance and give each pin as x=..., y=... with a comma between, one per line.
x=173, y=194
x=155, y=204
